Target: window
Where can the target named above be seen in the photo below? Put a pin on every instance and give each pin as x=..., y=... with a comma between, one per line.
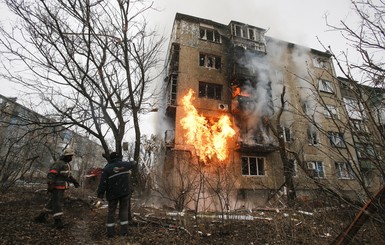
x=210, y=91
x=254, y=166
x=286, y=134
x=251, y=34
x=293, y=163
x=353, y=108
x=210, y=35
x=359, y=125
x=364, y=151
x=313, y=137
x=325, y=86
x=344, y=170
x=331, y=112
x=318, y=169
x=210, y=61
x=238, y=31
x=337, y=139
x=320, y=62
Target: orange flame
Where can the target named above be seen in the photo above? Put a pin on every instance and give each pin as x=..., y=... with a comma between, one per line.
x=209, y=140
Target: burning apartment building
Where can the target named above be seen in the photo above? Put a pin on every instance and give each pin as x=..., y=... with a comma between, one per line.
x=235, y=98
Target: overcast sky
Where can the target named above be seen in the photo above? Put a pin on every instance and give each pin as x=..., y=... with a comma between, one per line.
x=296, y=21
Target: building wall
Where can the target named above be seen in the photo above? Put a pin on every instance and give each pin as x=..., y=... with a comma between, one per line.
x=275, y=64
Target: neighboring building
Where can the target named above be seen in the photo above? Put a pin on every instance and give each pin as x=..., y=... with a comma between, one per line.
x=238, y=71
x=28, y=148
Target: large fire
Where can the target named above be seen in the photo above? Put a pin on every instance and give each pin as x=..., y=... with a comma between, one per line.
x=208, y=138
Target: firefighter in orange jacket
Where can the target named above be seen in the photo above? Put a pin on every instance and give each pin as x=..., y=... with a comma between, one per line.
x=59, y=177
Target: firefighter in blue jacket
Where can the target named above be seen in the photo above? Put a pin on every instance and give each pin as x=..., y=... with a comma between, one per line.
x=59, y=178
x=115, y=183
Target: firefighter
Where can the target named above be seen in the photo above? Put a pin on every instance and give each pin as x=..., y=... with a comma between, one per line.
x=59, y=178
x=115, y=183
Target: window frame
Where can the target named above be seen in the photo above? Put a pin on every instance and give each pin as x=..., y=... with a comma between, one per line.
x=326, y=86
x=214, y=87
x=344, y=170
x=318, y=168
x=204, y=60
x=258, y=172
x=331, y=111
x=216, y=37
x=334, y=136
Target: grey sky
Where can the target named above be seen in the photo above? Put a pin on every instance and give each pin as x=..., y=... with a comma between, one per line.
x=296, y=21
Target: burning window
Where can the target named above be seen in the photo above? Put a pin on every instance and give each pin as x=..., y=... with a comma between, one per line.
x=325, y=86
x=210, y=91
x=337, y=139
x=331, y=112
x=210, y=61
x=210, y=35
x=344, y=170
x=254, y=166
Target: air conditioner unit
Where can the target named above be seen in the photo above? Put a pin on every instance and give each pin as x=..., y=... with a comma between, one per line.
x=223, y=107
x=310, y=165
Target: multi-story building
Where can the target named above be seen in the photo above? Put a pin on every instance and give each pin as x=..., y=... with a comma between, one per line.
x=271, y=90
x=30, y=142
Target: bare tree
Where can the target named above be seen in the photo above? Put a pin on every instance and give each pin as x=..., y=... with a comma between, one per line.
x=88, y=62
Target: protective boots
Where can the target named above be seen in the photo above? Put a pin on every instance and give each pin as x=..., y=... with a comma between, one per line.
x=58, y=224
x=123, y=230
x=110, y=231
x=41, y=218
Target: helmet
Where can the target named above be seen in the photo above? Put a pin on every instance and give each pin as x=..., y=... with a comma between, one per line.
x=68, y=152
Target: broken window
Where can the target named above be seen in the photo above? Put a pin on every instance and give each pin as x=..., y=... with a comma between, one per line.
x=313, y=136
x=337, y=139
x=254, y=166
x=251, y=34
x=325, y=86
x=331, y=112
x=210, y=61
x=210, y=91
x=344, y=170
x=320, y=62
x=210, y=35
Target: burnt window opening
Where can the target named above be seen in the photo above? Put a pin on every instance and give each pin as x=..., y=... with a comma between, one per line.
x=253, y=166
x=325, y=86
x=210, y=35
x=210, y=61
x=313, y=136
x=251, y=34
x=320, y=62
x=337, y=139
x=210, y=91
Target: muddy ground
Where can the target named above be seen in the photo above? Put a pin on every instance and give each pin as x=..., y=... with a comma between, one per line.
x=86, y=224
